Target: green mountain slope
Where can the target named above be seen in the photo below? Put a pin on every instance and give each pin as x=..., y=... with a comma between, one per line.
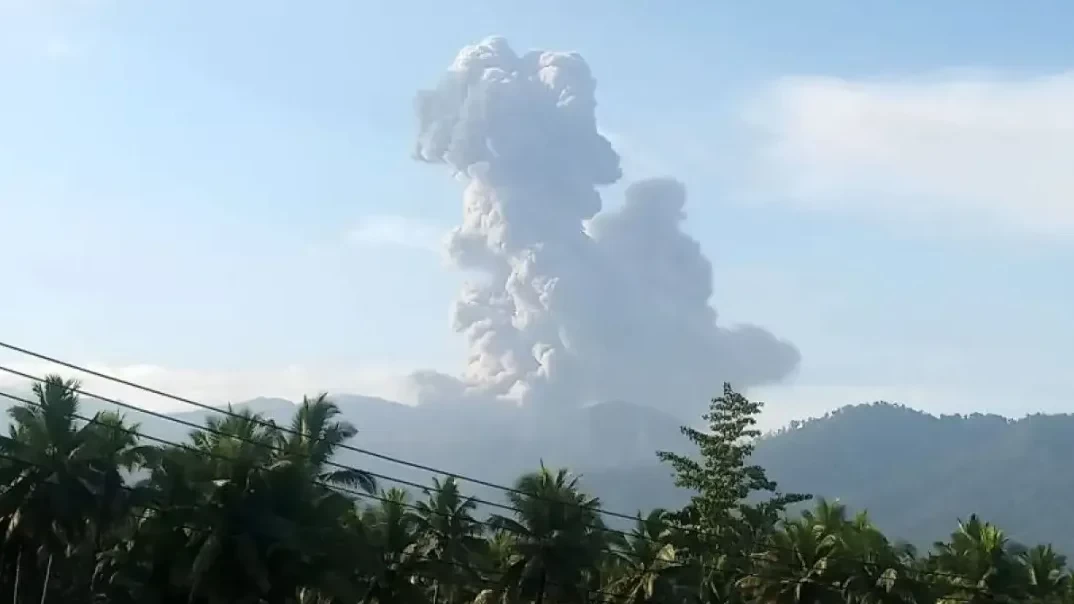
x=915, y=473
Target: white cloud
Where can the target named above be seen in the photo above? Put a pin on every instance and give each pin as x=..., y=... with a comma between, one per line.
x=968, y=152
x=216, y=387
x=397, y=231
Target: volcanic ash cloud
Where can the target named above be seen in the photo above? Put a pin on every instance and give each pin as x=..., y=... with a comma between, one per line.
x=567, y=315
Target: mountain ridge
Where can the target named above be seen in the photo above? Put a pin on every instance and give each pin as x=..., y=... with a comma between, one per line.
x=916, y=473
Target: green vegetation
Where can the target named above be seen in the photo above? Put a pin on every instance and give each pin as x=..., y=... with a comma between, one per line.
x=914, y=472
x=245, y=511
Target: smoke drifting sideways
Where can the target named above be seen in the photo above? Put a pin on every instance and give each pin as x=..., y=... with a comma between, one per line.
x=575, y=305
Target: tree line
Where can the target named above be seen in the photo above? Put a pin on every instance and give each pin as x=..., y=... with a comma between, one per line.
x=246, y=511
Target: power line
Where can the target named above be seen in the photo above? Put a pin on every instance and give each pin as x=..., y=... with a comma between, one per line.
x=598, y=526
x=265, y=423
x=278, y=449
x=274, y=426
x=477, y=572
x=325, y=484
x=342, y=488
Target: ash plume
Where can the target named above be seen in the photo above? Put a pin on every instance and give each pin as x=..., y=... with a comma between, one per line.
x=568, y=314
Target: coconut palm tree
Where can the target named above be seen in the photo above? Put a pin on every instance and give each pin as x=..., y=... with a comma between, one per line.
x=875, y=571
x=1049, y=579
x=451, y=540
x=113, y=450
x=61, y=475
x=648, y=564
x=265, y=514
x=152, y=561
x=498, y=555
x=798, y=566
x=116, y=450
x=558, y=535
x=314, y=438
x=235, y=442
x=980, y=564
x=241, y=513
x=831, y=516
x=391, y=532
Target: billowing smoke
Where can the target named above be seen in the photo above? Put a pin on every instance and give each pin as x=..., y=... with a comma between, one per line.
x=568, y=313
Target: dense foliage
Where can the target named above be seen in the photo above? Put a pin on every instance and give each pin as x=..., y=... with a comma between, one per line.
x=246, y=511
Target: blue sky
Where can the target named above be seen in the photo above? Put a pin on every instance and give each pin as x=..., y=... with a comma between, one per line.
x=219, y=199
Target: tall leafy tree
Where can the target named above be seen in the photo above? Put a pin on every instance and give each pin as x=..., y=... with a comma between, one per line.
x=735, y=506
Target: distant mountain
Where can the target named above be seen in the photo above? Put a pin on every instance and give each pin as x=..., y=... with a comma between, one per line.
x=494, y=443
x=915, y=473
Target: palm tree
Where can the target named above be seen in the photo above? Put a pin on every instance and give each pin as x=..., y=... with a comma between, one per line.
x=330, y=545
x=980, y=564
x=1049, y=580
x=499, y=552
x=874, y=570
x=313, y=439
x=113, y=450
x=236, y=442
x=116, y=451
x=241, y=514
x=243, y=520
x=648, y=563
x=558, y=538
x=57, y=479
x=451, y=538
x=390, y=531
x=831, y=516
x=152, y=559
x=797, y=567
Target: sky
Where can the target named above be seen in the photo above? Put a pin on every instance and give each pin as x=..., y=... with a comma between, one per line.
x=220, y=199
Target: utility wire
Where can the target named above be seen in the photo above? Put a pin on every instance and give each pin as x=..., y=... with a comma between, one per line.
x=147, y=509
x=278, y=449
x=339, y=488
x=496, y=578
x=229, y=412
x=599, y=526
x=322, y=483
x=274, y=426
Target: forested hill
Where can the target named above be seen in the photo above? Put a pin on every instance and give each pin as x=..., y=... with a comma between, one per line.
x=915, y=473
